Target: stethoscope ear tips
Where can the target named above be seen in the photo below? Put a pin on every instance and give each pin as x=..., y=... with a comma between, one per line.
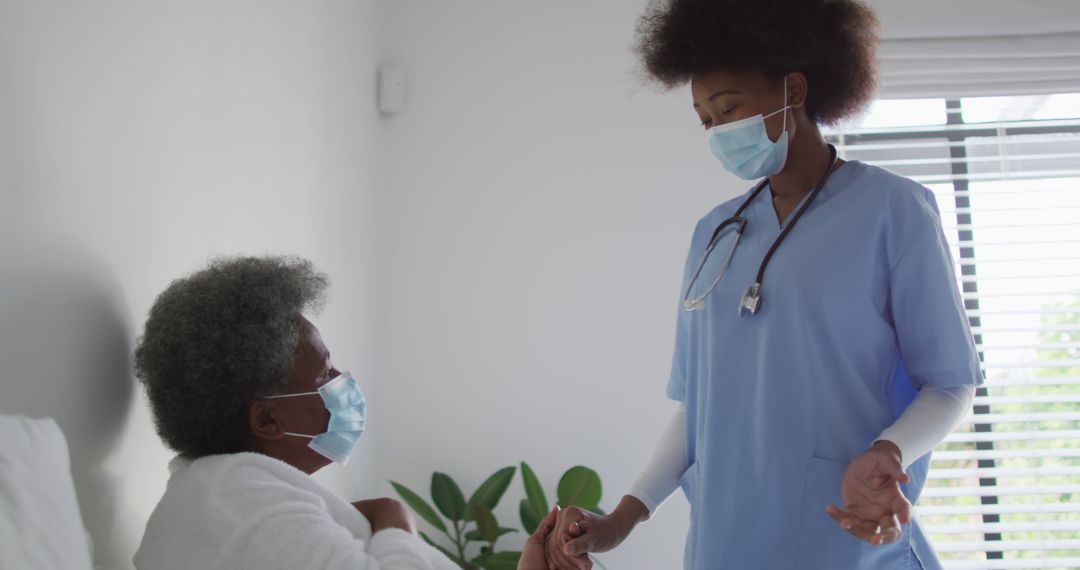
x=693, y=305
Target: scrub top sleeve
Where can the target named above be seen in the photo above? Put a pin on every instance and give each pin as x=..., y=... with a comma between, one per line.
x=676, y=387
x=928, y=312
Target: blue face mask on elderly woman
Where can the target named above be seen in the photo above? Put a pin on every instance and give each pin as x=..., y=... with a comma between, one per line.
x=744, y=146
x=348, y=411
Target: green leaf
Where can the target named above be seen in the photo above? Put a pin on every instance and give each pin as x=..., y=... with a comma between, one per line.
x=529, y=519
x=474, y=535
x=447, y=496
x=486, y=524
x=506, y=560
x=490, y=492
x=446, y=552
x=580, y=487
x=420, y=506
x=533, y=491
x=427, y=539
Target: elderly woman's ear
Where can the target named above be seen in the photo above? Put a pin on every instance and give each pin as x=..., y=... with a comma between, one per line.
x=268, y=436
x=263, y=422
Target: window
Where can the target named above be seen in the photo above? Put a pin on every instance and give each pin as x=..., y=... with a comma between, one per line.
x=1004, y=488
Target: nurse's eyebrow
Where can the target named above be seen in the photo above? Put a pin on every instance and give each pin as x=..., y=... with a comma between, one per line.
x=719, y=93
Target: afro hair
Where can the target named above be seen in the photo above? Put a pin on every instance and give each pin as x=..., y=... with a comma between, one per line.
x=832, y=42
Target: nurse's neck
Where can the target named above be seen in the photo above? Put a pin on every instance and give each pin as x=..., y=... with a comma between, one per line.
x=807, y=160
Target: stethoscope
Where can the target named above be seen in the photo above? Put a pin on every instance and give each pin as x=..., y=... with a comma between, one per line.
x=751, y=299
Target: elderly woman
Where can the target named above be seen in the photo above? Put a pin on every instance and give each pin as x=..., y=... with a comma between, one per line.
x=243, y=388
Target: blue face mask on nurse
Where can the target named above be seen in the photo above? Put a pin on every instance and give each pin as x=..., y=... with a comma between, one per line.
x=752, y=129
x=745, y=148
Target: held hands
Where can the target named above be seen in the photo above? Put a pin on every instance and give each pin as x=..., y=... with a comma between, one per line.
x=388, y=513
x=533, y=556
x=579, y=532
x=874, y=506
x=567, y=548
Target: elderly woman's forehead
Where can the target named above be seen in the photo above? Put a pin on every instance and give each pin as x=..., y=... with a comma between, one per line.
x=310, y=335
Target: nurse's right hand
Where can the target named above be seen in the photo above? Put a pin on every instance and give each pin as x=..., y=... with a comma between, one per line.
x=580, y=532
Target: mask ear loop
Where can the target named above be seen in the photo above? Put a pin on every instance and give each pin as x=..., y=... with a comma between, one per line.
x=783, y=109
x=786, y=106
x=308, y=436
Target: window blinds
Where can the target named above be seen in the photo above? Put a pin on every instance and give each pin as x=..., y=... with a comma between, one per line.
x=1004, y=488
x=966, y=48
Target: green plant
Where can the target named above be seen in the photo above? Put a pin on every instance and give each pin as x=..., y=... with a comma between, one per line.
x=578, y=487
x=476, y=512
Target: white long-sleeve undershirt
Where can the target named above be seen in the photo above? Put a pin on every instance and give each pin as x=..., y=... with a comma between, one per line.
x=668, y=462
x=927, y=420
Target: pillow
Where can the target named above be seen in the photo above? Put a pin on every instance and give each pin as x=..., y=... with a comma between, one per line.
x=40, y=524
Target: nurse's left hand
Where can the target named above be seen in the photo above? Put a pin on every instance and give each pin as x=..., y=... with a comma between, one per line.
x=876, y=532
x=874, y=506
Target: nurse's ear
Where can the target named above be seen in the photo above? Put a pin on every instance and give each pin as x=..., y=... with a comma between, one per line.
x=797, y=90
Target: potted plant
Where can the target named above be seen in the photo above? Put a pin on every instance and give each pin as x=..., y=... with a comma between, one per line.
x=471, y=527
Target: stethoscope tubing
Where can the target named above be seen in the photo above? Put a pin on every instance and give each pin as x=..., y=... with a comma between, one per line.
x=693, y=304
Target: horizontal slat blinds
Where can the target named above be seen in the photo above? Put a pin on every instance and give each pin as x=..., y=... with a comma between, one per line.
x=1004, y=488
x=968, y=48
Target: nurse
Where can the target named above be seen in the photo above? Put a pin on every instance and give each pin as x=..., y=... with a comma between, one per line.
x=822, y=349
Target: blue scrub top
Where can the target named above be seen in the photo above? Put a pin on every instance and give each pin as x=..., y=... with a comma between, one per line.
x=860, y=311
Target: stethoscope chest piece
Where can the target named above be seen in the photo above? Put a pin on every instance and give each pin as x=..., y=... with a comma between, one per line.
x=751, y=300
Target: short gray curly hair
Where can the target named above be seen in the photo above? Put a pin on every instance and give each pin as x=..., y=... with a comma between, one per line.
x=219, y=338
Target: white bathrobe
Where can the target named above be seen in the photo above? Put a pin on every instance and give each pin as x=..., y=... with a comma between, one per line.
x=249, y=511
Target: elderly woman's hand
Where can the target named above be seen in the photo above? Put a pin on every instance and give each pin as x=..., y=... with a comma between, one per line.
x=386, y=513
x=533, y=556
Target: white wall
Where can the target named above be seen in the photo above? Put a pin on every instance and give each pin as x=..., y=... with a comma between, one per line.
x=535, y=208
x=505, y=253
x=138, y=139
